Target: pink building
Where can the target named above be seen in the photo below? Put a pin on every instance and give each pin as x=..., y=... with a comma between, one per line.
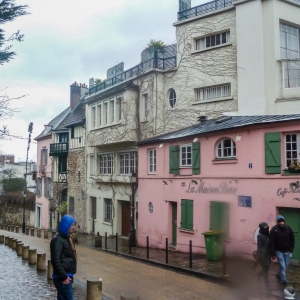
x=229, y=173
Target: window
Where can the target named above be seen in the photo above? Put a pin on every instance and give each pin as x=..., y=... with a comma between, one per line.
x=290, y=53
x=119, y=109
x=44, y=157
x=49, y=188
x=39, y=186
x=92, y=164
x=45, y=186
x=152, y=161
x=187, y=211
x=71, y=205
x=127, y=163
x=105, y=113
x=72, y=132
x=107, y=210
x=186, y=156
x=172, y=98
x=63, y=137
x=93, y=116
x=292, y=148
x=62, y=164
x=213, y=92
x=213, y=40
x=99, y=115
x=112, y=110
x=226, y=148
x=145, y=105
x=106, y=164
x=150, y=207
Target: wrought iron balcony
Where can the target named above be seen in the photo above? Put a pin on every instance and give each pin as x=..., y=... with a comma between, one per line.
x=204, y=9
x=59, y=149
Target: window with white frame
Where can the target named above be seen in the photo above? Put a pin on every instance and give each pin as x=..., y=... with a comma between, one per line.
x=172, y=98
x=292, y=148
x=127, y=163
x=213, y=40
x=112, y=110
x=92, y=165
x=107, y=210
x=99, y=107
x=119, y=109
x=290, y=55
x=145, y=105
x=152, y=161
x=105, y=113
x=185, y=155
x=213, y=92
x=106, y=164
x=226, y=149
x=93, y=116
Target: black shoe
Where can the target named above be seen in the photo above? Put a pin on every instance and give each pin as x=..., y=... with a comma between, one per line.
x=284, y=283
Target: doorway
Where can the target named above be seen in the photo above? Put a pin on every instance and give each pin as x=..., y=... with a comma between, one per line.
x=292, y=218
x=38, y=215
x=126, y=212
x=174, y=223
x=93, y=213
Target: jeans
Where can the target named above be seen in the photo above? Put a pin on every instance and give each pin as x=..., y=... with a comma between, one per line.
x=284, y=261
x=64, y=291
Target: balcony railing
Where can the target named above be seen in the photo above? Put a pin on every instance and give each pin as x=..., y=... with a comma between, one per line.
x=59, y=149
x=203, y=9
x=153, y=63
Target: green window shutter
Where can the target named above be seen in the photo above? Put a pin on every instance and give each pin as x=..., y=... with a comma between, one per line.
x=41, y=158
x=174, y=159
x=219, y=216
x=183, y=221
x=45, y=186
x=272, y=153
x=196, y=158
x=189, y=214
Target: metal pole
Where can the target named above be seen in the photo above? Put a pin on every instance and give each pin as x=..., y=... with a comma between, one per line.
x=23, y=222
x=167, y=250
x=105, y=241
x=147, y=247
x=116, y=242
x=191, y=253
x=224, y=261
x=132, y=228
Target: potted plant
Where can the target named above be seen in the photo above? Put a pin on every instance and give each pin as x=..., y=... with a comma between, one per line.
x=295, y=166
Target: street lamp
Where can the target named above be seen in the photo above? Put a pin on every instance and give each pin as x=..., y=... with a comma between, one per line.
x=23, y=223
x=133, y=181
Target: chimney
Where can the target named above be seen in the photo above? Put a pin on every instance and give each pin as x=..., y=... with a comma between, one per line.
x=202, y=119
x=76, y=90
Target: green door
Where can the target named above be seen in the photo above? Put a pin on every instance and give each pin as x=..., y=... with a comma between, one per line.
x=174, y=223
x=292, y=218
x=219, y=216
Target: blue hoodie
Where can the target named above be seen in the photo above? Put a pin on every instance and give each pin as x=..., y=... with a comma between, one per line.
x=65, y=224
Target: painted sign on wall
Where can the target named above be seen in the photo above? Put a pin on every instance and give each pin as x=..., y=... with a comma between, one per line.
x=201, y=188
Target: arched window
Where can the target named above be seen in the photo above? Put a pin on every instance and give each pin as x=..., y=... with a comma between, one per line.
x=172, y=98
x=226, y=148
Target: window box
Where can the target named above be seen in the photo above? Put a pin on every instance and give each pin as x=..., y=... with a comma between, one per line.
x=186, y=230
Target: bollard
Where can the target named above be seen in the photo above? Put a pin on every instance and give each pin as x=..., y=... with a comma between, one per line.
x=147, y=247
x=5, y=227
x=41, y=262
x=14, y=244
x=32, y=256
x=45, y=234
x=1, y=239
x=25, y=252
x=10, y=241
x=19, y=249
x=98, y=241
x=6, y=241
x=32, y=231
x=8, y=227
x=191, y=253
x=49, y=270
x=53, y=234
x=27, y=231
x=105, y=240
x=94, y=289
x=126, y=296
x=167, y=251
x=224, y=262
x=117, y=242
x=38, y=233
x=1, y=226
x=129, y=244
x=12, y=228
x=17, y=229
x=75, y=238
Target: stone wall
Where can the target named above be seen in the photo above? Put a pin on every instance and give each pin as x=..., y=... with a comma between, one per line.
x=76, y=186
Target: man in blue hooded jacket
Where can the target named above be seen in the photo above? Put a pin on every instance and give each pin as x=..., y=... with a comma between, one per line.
x=282, y=245
x=64, y=258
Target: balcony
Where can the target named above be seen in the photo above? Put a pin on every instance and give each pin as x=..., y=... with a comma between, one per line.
x=59, y=149
x=204, y=9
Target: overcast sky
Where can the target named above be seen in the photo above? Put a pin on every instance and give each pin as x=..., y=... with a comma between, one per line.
x=73, y=40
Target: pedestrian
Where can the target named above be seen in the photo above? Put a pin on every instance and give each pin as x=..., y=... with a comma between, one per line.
x=282, y=246
x=264, y=252
x=64, y=258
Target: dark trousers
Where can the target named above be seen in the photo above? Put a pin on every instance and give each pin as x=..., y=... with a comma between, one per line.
x=264, y=273
x=64, y=291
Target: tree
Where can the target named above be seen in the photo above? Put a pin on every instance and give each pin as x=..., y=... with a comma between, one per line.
x=98, y=81
x=9, y=12
x=13, y=184
x=156, y=44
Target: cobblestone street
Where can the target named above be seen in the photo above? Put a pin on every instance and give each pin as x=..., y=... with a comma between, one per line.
x=19, y=281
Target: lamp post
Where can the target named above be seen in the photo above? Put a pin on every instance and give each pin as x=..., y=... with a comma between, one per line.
x=133, y=181
x=23, y=223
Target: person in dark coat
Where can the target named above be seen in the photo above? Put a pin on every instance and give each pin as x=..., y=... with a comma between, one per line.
x=64, y=258
x=264, y=252
x=282, y=246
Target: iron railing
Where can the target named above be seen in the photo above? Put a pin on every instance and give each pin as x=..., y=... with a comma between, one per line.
x=153, y=63
x=204, y=9
x=59, y=149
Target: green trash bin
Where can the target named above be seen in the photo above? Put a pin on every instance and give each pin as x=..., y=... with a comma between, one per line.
x=214, y=244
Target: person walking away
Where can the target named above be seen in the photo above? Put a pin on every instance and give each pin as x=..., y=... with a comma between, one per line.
x=264, y=252
x=282, y=246
x=64, y=258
